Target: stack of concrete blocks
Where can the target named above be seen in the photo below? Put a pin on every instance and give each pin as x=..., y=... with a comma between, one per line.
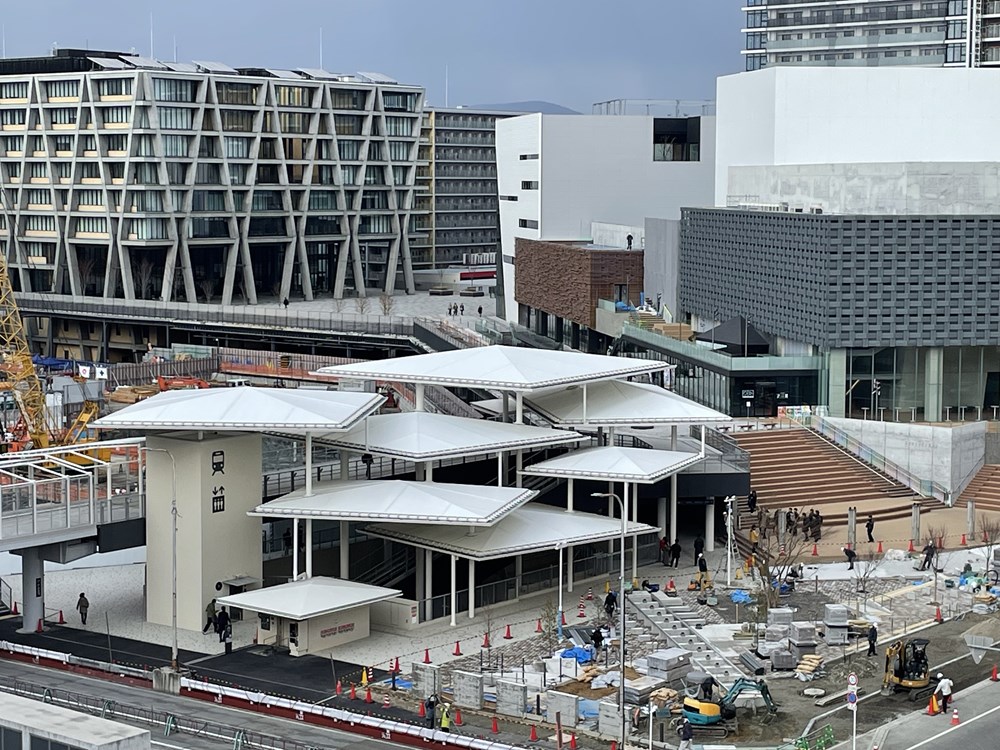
x=468, y=688
x=426, y=679
x=512, y=698
x=835, y=618
x=638, y=691
x=669, y=664
x=775, y=641
x=802, y=641
x=609, y=720
x=564, y=704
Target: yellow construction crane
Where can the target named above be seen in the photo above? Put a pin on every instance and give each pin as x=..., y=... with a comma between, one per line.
x=17, y=369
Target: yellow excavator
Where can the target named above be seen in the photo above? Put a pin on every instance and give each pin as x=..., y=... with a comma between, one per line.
x=907, y=669
x=18, y=377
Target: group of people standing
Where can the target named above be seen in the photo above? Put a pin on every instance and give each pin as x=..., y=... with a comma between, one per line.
x=221, y=623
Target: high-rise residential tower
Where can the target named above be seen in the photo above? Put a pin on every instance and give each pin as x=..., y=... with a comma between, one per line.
x=868, y=33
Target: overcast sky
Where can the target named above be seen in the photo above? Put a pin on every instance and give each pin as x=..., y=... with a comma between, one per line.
x=571, y=52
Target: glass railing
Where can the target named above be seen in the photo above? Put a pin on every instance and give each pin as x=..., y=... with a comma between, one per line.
x=696, y=353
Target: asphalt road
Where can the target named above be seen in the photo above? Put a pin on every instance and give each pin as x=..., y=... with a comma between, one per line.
x=220, y=720
x=978, y=712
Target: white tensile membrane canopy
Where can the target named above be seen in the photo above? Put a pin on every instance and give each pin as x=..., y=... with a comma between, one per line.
x=246, y=409
x=613, y=403
x=531, y=528
x=308, y=598
x=508, y=368
x=423, y=436
x=399, y=501
x=615, y=464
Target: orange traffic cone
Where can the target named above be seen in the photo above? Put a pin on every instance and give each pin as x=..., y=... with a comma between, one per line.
x=395, y=667
x=954, y=718
x=385, y=701
x=538, y=626
x=963, y=539
x=427, y=656
x=564, y=619
x=354, y=692
x=910, y=548
x=879, y=550
x=614, y=745
x=495, y=728
x=422, y=711
x=368, y=696
x=507, y=636
x=486, y=640
x=572, y=741
x=340, y=689
x=815, y=552
x=932, y=706
x=39, y=628
x=14, y=610
x=534, y=733
x=457, y=651
x=590, y=594
x=993, y=674
x=937, y=616
x=61, y=620
x=458, y=717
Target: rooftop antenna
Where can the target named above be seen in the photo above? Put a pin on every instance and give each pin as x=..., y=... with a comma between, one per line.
x=321, y=48
x=446, y=87
x=151, y=36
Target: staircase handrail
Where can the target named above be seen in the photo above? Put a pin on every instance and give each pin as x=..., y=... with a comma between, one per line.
x=730, y=449
x=873, y=459
x=6, y=594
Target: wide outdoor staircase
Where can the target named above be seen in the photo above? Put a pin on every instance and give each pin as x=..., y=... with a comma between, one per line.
x=797, y=468
x=984, y=489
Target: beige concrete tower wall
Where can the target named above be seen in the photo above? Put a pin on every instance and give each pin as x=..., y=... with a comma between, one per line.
x=218, y=481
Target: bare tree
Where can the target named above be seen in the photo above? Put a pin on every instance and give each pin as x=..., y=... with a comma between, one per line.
x=935, y=537
x=775, y=559
x=143, y=277
x=865, y=568
x=387, y=301
x=207, y=287
x=85, y=266
x=338, y=304
x=362, y=304
x=989, y=533
x=548, y=616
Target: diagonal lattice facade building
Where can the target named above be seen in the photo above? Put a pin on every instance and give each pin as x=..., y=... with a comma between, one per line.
x=126, y=177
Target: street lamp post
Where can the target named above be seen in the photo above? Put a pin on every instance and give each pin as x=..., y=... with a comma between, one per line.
x=559, y=614
x=621, y=589
x=173, y=555
x=730, y=502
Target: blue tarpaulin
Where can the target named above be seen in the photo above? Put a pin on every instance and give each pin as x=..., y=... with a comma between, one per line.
x=581, y=655
x=740, y=597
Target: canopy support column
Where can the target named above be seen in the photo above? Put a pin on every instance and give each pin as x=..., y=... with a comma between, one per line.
x=710, y=526
x=309, y=464
x=518, y=466
x=559, y=585
x=569, y=569
x=499, y=468
x=472, y=588
x=345, y=465
x=418, y=398
x=673, y=507
x=661, y=519
x=428, y=584
x=611, y=514
x=428, y=471
x=309, y=548
x=295, y=549
x=505, y=410
x=635, y=539
x=518, y=571
x=345, y=550
x=569, y=494
x=519, y=408
x=454, y=590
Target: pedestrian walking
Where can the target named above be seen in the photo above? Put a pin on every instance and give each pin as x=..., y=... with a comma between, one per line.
x=82, y=605
x=367, y=459
x=686, y=733
x=702, y=570
x=209, y=616
x=850, y=555
x=675, y=555
x=461, y=309
x=754, y=538
x=870, y=527
x=752, y=501
x=285, y=302
x=663, y=550
x=872, y=639
x=480, y=311
x=609, y=604
x=227, y=638
x=929, y=551
x=699, y=547
x=221, y=624
x=628, y=242
x=944, y=687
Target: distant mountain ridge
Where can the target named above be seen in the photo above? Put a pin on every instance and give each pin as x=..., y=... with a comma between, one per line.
x=546, y=108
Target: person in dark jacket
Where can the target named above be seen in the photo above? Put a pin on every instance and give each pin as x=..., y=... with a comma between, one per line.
x=850, y=555
x=699, y=547
x=598, y=639
x=870, y=528
x=752, y=501
x=675, y=555
x=872, y=639
x=609, y=604
x=686, y=732
x=221, y=624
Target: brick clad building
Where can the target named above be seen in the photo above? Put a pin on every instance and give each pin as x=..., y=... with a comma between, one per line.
x=557, y=287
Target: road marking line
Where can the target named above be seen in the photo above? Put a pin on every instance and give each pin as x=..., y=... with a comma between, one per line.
x=949, y=730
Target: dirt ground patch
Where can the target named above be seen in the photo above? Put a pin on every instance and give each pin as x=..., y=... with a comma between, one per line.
x=583, y=689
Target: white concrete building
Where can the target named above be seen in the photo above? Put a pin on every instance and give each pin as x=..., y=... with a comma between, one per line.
x=790, y=134
x=556, y=174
